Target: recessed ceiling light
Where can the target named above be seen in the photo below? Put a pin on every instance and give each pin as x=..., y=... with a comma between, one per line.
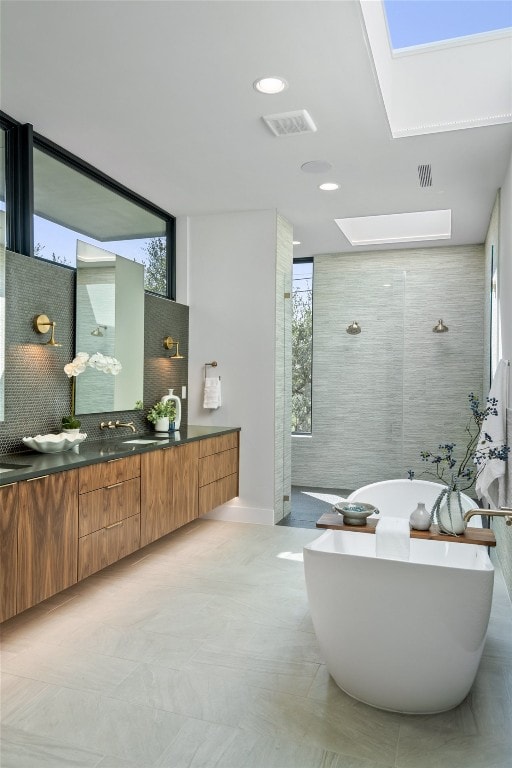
x=397, y=227
x=316, y=166
x=295, y=242
x=329, y=186
x=270, y=85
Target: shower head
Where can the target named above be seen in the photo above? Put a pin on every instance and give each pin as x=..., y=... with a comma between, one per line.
x=440, y=327
x=97, y=331
x=354, y=328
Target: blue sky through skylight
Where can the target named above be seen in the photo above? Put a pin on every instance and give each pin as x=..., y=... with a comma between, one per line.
x=416, y=22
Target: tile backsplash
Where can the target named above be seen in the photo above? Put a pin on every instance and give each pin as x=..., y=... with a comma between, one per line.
x=37, y=391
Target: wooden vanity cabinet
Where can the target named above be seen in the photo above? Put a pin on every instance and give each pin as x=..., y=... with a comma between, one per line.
x=8, y=549
x=218, y=471
x=47, y=537
x=168, y=490
x=109, y=513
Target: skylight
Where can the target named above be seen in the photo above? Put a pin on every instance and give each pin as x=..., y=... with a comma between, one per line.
x=431, y=21
x=397, y=227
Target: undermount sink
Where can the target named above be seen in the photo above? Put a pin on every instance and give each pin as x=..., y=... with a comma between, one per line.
x=140, y=441
x=12, y=467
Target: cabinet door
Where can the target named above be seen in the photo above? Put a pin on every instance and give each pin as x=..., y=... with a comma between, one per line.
x=47, y=536
x=157, y=475
x=184, y=487
x=8, y=549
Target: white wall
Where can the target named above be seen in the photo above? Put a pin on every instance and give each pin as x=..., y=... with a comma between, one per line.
x=231, y=292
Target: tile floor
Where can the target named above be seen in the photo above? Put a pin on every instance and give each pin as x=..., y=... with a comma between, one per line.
x=198, y=652
x=309, y=504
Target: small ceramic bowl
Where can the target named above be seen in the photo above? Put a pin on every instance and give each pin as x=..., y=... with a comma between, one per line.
x=355, y=512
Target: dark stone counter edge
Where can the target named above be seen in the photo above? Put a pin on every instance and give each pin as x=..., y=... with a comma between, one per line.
x=31, y=464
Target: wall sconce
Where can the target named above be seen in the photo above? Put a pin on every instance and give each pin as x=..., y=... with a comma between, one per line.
x=169, y=343
x=42, y=324
x=354, y=328
x=97, y=331
x=440, y=327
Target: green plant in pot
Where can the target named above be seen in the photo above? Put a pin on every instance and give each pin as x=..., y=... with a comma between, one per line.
x=161, y=414
x=77, y=366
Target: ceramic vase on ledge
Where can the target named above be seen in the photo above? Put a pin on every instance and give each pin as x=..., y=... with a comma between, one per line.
x=450, y=512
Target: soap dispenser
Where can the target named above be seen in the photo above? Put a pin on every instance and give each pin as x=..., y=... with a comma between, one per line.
x=177, y=403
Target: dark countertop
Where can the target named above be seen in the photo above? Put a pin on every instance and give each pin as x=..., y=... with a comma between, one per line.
x=22, y=466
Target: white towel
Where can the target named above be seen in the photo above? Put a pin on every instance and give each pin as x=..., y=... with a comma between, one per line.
x=393, y=538
x=212, y=393
x=490, y=481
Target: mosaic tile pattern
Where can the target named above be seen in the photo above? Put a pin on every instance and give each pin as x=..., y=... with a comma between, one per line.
x=37, y=391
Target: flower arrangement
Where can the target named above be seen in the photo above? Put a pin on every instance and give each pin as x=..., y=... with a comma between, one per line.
x=463, y=474
x=76, y=367
x=161, y=410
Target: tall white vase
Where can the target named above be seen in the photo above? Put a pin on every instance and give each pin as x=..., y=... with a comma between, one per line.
x=177, y=403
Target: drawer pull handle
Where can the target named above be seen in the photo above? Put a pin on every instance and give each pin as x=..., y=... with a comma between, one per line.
x=7, y=485
x=114, y=485
x=111, y=461
x=31, y=479
x=114, y=525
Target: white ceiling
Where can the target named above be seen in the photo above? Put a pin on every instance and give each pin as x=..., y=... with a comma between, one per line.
x=159, y=96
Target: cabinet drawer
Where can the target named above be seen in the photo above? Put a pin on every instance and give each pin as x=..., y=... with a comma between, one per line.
x=105, y=506
x=218, y=444
x=106, y=546
x=214, y=494
x=108, y=473
x=217, y=465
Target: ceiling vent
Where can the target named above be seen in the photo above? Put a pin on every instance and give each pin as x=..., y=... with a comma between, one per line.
x=290, y=123
x=425, y=175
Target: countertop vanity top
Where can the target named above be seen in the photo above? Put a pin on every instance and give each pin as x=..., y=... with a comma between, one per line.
x=29, y=464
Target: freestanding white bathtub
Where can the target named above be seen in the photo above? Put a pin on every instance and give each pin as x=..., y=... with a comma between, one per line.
x=400, y=497
x=405, y=636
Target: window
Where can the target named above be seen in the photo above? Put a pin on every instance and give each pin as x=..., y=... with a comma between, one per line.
x=302, y=345
x=71, y=208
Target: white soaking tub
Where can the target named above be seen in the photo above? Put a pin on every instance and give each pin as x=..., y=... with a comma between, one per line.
x=405, y=636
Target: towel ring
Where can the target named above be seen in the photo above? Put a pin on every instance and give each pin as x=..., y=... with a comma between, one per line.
x=213, y=364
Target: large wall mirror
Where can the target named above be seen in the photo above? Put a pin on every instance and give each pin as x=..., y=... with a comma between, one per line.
x=109, y=320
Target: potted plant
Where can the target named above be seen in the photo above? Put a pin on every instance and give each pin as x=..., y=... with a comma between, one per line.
x=77, y=366
x=161, y=414
x=461, y=475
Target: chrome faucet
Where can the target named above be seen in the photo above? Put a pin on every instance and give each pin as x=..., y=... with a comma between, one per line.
x=129, y=424
x=505, y=512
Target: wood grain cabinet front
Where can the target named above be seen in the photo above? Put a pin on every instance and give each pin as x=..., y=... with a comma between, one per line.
x=109, y=514
x=47, y=536
x=218, y=471
x=168, y=490
x=8, y=549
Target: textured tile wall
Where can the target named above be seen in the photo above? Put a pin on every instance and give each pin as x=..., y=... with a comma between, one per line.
x=283, y=370
x=37, y=391
x=382, y=396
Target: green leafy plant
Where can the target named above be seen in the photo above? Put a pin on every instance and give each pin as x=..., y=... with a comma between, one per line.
x=161, y=411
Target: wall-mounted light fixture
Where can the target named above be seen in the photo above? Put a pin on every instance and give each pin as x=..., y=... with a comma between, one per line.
x=169, y=343
x=97, y=331
x=440, y=327
x=42, y=324
x=354, y=328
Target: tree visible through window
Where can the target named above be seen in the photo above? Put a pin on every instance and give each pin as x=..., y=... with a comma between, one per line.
x=302, y=346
